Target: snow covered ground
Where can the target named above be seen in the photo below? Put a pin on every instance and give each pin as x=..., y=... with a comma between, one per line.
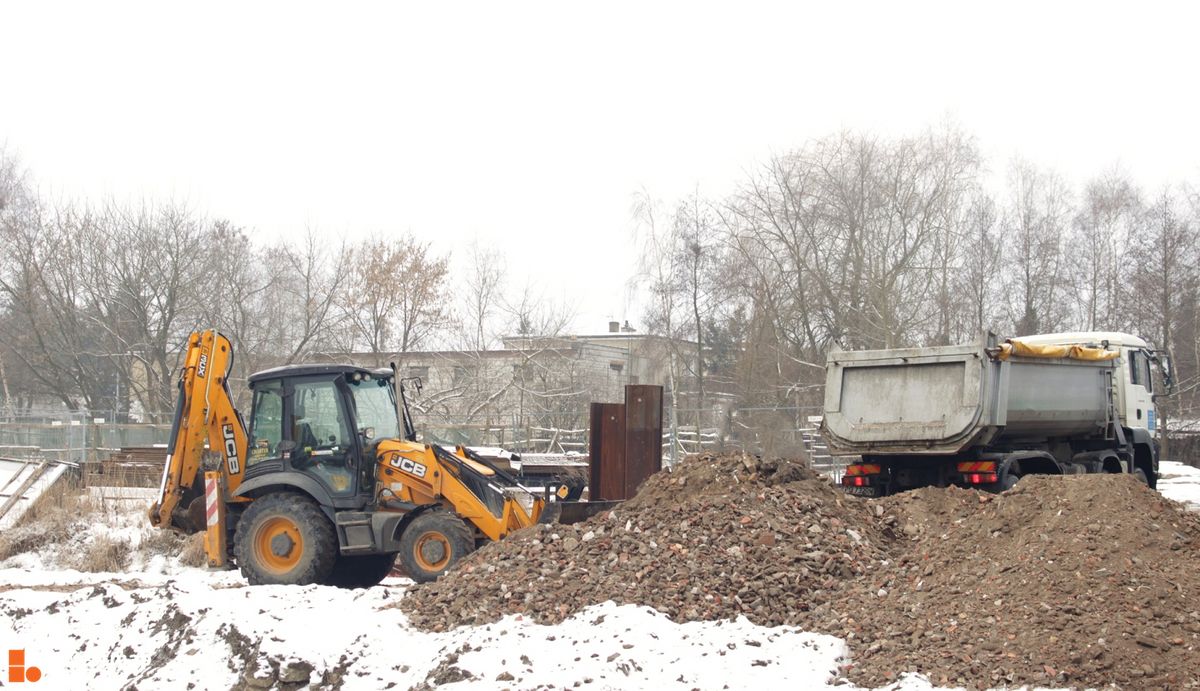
x=212, y=631
x=1180, y=482
x=194, y=629
x=162, y=625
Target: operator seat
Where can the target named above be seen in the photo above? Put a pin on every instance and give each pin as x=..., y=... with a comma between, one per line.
x=302, y=432
x=305, y=439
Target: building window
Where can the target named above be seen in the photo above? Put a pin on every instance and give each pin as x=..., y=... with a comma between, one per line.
x=421, y=371
x=461, y=375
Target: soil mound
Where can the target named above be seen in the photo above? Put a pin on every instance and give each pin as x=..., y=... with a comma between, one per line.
x=721, y=535
x=1062, y=581
x=1084, y=581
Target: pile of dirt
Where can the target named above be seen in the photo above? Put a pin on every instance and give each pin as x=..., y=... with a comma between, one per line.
x=720, y=536
x=1062, y=581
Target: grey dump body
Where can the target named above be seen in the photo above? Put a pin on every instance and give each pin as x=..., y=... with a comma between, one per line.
x=945, y=400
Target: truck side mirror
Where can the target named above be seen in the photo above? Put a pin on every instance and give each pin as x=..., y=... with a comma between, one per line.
x=1164, y=368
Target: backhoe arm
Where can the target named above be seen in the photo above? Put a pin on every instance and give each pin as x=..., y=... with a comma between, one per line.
x=204, y=412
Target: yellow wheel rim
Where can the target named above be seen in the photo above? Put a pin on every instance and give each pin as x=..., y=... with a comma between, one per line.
x=432, y=551
x=278, y=544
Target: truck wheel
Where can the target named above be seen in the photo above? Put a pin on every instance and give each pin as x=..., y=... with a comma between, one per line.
x=432, y=543
x=1010, y=480
x=361, y=572
x=284, y=539
x=1140, y=476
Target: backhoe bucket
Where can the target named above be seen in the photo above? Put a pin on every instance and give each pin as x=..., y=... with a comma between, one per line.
x=568, y=512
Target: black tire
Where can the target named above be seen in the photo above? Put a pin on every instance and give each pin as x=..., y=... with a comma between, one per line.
x=361, y=572
x=432, y=543
x=1140, y=475
x=270, y=531
x=1009, y=481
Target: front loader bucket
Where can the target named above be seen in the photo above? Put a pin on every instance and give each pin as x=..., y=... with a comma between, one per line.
x=568, y=512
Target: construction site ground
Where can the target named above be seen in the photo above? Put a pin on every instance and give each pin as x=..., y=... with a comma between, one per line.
x=730, y=573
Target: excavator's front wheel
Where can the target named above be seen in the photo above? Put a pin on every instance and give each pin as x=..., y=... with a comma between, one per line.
x=284, y=539
x=432, y=543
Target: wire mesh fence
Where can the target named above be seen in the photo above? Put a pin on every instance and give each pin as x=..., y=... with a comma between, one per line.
x=74, y=437
x=780, y=431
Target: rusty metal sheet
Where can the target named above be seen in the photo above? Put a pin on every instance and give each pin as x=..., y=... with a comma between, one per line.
x=643, y=434
x=606, y=451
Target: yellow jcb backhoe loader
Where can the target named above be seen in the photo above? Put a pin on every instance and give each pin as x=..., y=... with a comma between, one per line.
x=327, y=483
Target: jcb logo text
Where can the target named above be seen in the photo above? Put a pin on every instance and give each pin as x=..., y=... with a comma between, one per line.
x=231, y=451
x=409, y=466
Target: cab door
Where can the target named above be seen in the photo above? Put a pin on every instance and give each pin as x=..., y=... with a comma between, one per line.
x=1139, y=395
x=324, y=444
x=266, y=432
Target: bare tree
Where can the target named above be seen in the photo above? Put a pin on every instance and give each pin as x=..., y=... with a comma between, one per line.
x=395, y=295
x=300, y=306
x=146, y=278
x=1035, y=222
x=979, y=280
x=480, y=293
x=1165, y=268
x=1110, y=214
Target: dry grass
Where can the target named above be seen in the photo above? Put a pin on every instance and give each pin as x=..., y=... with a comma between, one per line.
x=168, y=543
x=103, y=553
x=192, y=553
x=71, y=529
x=50, y=519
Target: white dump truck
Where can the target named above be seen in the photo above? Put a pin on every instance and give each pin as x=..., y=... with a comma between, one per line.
x=987, y=413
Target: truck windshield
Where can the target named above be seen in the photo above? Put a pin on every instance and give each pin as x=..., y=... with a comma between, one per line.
x=375, y=408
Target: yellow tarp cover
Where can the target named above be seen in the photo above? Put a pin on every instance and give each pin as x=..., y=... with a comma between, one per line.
x=1015, y=346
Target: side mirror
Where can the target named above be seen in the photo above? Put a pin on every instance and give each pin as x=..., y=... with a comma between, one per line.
x=1163, y=359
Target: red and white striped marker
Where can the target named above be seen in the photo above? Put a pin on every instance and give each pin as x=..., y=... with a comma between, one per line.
x=212, y=495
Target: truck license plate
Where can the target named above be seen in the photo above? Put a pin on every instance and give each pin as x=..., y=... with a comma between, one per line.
x=861, y=491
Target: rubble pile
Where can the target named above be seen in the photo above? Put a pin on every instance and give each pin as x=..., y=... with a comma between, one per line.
x=1080, y=581
x=720, y=536
x=1062, y=581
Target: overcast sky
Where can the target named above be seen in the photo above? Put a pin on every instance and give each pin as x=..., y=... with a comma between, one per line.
x=529, y=126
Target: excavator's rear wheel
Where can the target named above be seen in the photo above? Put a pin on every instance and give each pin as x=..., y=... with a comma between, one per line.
x=285, y=539
x=361, y=572
x=432, y=543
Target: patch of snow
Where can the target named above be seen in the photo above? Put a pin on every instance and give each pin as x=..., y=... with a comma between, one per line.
x=1180, y=482
x=207, y=630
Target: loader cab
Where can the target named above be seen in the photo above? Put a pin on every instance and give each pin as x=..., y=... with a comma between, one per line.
x=321, y=421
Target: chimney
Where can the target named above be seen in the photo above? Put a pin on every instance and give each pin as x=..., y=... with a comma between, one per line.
x=614, y=327
x=627, y=328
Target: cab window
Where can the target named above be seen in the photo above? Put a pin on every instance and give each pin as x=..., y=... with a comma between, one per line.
x=266, y=427
x=1139, y=370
